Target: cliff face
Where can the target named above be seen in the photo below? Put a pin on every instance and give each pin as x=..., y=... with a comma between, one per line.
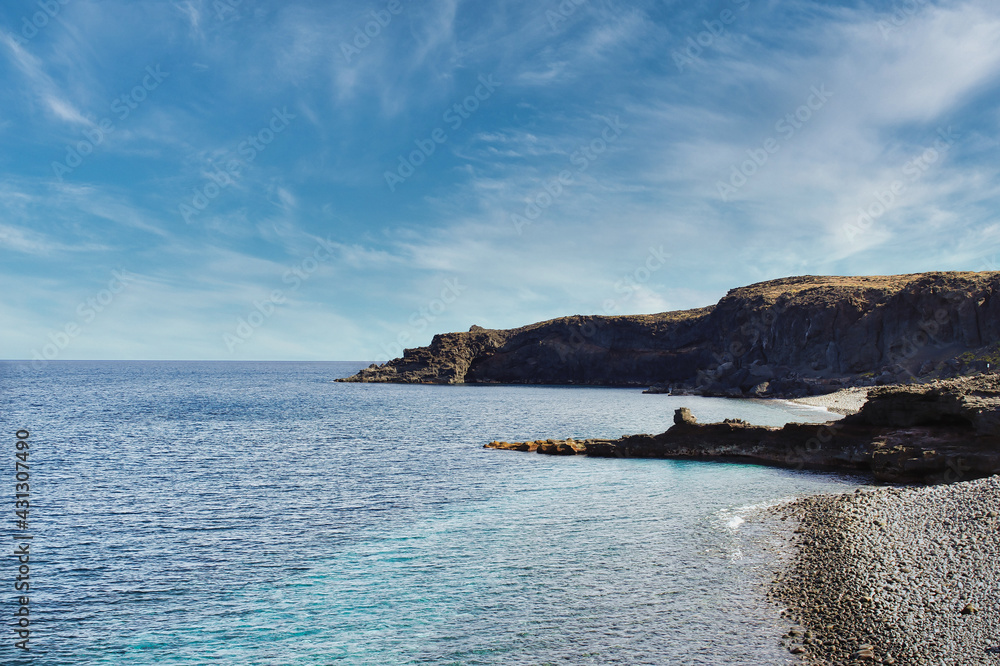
x=779, y=337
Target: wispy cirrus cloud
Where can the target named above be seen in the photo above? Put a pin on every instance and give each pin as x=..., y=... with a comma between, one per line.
x=563, y=78
x=39, y=84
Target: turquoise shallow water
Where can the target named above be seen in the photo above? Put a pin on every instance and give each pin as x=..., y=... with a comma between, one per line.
x=192, y=513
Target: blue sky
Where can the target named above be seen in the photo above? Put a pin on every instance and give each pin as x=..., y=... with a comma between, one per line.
x=225, y=179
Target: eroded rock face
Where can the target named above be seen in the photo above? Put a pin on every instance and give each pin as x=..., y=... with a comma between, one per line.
x=969, y=402
x=445, y=361
x=937, y=433
x=783, y=337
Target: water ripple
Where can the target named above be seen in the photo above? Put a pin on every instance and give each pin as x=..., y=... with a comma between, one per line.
x=262, y=514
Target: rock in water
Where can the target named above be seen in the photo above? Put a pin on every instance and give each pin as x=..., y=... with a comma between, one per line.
x=684, y=415
x=940, y=432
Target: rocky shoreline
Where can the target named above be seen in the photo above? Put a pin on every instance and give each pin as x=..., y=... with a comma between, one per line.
x=940, y=432
x=891, y=575
x=885, y=576
x=895, y=576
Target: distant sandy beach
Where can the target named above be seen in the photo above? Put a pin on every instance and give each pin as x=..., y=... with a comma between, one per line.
x=846, y=401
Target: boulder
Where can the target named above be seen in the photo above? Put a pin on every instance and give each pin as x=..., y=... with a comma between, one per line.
x=942, y=432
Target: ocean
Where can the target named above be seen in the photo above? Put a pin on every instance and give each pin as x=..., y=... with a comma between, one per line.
x=261, y=513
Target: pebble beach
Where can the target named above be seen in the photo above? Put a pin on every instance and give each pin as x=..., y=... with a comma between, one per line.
x=845, y=401
x=894, y=576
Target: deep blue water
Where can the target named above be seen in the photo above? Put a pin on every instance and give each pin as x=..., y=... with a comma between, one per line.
x=259, y=513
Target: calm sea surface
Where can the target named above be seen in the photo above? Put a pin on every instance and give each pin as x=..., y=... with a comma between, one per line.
x=259, y=513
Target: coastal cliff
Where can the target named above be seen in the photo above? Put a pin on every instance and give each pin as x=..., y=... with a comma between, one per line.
x=787, y=337
x=940, y=432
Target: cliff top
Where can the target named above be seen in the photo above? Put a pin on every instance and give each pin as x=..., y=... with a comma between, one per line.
x=670, y=316
x=819, y=287
x=788, y=287
x=789, y=336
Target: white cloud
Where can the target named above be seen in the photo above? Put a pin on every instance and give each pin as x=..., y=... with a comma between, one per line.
x=34, y=243
x=41, y=85
x=922, y=70
x=655, y=185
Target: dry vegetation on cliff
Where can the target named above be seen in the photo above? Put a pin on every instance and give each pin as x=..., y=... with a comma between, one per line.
x=789, y=337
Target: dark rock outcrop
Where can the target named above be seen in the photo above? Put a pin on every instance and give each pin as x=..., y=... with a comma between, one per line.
x=779, y=338
x=944, y=431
